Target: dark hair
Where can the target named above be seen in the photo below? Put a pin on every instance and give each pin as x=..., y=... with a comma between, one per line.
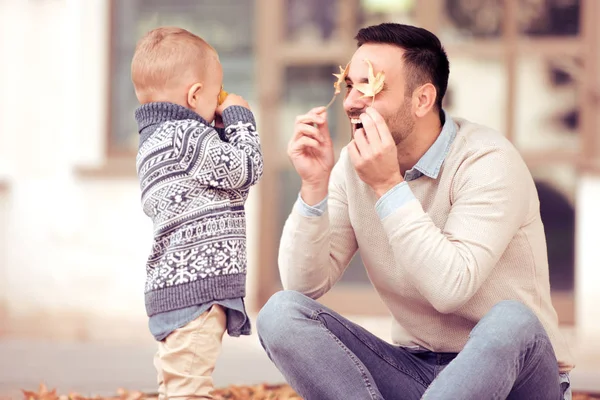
x=424, y=55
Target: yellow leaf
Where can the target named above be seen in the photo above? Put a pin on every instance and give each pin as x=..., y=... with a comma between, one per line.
x=222, y=95
x=374, y=84
x=29, y=395
x=340, y=78
x=338, y=83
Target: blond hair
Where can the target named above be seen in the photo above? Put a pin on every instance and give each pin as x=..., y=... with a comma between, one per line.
x=165, y=57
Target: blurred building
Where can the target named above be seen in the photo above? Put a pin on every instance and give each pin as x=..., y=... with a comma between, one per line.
x=73, y=238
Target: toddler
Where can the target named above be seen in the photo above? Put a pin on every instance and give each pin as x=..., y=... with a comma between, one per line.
x=198, y=155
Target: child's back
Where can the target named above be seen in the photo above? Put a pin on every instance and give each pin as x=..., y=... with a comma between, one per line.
x=194, y=180
x=193, y=188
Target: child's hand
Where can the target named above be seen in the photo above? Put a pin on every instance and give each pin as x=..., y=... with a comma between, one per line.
x=232, y=100
x=219, y=121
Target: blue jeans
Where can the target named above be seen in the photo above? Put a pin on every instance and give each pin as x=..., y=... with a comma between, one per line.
x=324, y=356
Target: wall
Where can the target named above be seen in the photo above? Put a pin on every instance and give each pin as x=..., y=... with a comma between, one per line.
x=587, y=273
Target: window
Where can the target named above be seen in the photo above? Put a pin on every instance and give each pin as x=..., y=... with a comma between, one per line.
x=519, y=66
x=228, y=25
x=516, y=65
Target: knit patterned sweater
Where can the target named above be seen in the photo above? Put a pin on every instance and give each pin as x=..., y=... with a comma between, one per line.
x=194, y=183
x=440, y=250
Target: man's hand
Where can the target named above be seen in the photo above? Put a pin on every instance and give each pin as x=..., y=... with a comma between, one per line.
x=232, y=100
x=311, y=153
x=373, y=153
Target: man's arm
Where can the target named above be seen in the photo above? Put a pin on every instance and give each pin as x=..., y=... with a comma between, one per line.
x=492, y=194
x=318, y=241
x=236, y=163
x=491, y=199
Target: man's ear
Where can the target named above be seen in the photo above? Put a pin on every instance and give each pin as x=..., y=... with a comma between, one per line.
x=193, y=95
x=424, y=99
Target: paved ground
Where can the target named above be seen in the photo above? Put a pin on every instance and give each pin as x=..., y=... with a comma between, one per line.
x=96, y=368
x=100, y=368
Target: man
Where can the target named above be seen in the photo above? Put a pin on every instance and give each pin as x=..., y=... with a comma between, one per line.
x=446, y=216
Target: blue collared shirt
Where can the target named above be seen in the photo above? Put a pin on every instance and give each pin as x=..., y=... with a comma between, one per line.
x=429, y=165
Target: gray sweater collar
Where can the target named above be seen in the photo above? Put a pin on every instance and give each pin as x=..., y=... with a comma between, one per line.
x=151, y=115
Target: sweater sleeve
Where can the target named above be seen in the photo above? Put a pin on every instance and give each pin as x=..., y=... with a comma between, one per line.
x=315, y=250
x=491, y=198
x=234, y=163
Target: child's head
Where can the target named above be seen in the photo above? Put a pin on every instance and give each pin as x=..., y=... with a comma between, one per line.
x=173, y=65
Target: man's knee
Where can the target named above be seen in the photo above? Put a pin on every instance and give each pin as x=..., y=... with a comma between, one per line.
x=515, y=314
x=511, y=321
x=274, y=320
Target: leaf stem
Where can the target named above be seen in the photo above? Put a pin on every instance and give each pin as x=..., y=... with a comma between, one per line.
x=331, y=101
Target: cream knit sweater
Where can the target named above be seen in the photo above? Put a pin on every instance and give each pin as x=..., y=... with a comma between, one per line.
x=472, y=238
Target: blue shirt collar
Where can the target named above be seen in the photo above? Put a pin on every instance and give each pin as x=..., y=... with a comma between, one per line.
x=431, y=162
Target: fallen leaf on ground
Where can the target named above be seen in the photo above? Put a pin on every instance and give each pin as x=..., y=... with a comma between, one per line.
x=257, y=392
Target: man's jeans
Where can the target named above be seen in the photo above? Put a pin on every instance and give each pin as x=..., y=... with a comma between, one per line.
x=324, y=356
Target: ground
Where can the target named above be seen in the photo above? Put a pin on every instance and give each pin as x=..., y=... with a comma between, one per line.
x=100, y=367
x=257, y=392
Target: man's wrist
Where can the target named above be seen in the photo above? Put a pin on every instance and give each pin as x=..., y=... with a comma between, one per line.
x=311, y=211
x=385, y=187
x=393, y=199
x=314, y=193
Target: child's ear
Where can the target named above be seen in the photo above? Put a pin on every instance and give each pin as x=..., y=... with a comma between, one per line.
x=194, y=95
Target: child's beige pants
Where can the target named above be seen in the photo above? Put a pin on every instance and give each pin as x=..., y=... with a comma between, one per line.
x=186, y=358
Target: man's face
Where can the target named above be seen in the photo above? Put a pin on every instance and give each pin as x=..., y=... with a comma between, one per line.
x=393, y=102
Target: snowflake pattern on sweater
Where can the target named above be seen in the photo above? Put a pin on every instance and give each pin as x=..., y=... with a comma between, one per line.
x=194, y=184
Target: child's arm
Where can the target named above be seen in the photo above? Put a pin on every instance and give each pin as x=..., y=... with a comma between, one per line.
x=232, y=164
x=240, y=130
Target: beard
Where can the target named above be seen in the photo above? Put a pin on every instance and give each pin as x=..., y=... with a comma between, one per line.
x=401, y=123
